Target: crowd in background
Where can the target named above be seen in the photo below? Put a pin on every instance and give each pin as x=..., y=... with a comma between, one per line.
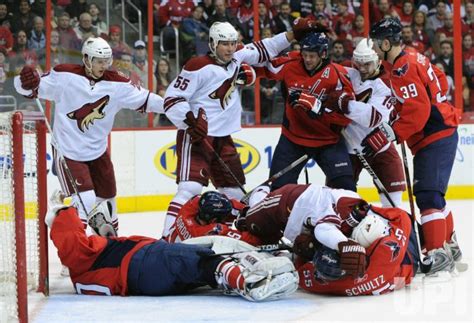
x=427, y=28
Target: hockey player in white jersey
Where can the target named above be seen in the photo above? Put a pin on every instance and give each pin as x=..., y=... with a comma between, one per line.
x=87, y=97
x=373, y=106
x=204, y=104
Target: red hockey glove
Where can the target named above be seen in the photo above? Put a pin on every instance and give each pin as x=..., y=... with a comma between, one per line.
x=29, y=78
x=378, y=139
x=353, y=260
x=305, y=102
x=302, y=26
x=338, y=100
x=197, y=126
x=305, y=246
x=246, y=75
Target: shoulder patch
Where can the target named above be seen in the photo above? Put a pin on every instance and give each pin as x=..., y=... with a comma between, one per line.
x=394, y=247
x=401, y=71
x=115, y=76
x=197, y=63
x=70, y=68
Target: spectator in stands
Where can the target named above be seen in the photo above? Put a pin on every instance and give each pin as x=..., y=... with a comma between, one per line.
x=446, y=57
x=174, y=11
x=20, y=55
x=342, y=21
x=449, y=94
x=284, y=19
x=67, y=36
x=97, y=21
x=6, y=38
x=319, y=8
x=197, y=31
x=76, y=9
x=409, y=42
x=265, y=21
x=85, y=29
x=468, y=53
x=437, y=20
x=37, y=40
x=4, y=69
x=38, y=8
x=222, y=14
x=324, y=20
x=5, y=16
x=338, y=53
x=381, y=10
x=59, y=55
x=163, y=80
x=469, y=17
x=419, y=28
x=208, y=10
x=304, y=7
x=357, y=32
x=115, y=41
x=448, y=28
x=24, y=19
x=123, y=63
x=140, y=61
x=406, y=14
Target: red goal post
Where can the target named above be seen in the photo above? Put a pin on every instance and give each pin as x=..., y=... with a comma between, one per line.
x=23, y=205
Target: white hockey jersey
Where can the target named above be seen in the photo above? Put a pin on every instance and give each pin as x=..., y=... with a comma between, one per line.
x=319, y=207
x=373, y=106
x=85, y=109
x=204, y=84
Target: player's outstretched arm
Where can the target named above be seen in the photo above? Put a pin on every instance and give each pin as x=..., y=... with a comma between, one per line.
x=47, y=86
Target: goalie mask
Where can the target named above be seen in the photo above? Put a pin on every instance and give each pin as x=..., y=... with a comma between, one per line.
x=96, y=56
x=371, y=228
x=365, y=59
x=213, y=207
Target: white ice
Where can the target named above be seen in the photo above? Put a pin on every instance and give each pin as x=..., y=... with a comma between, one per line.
x=428, y=300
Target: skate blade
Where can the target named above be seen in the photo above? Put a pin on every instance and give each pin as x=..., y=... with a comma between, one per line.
x=461, y=266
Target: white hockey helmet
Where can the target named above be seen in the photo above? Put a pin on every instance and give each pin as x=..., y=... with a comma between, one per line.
x=364, y=53
x=221, y=31
x=96, y=47
x=371, y=228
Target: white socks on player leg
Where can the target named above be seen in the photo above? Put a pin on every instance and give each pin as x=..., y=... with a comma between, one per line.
x=88, y=198
x=113, y=214
x=232, y=192
x=395, y=196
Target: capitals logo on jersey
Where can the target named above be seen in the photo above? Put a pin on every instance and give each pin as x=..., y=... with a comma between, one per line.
x=394, y=247
x=401, y=71
x=224, y=91
x=89, y=112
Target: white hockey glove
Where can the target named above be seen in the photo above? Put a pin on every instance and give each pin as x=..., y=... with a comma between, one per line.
x=55, y=203
x=100, y=220
x=265, y=277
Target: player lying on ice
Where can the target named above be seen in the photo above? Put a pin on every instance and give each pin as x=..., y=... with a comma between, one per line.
x=139, y=265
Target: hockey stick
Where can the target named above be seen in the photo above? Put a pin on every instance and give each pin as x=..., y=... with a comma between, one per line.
x=306, y=175
x=378, y=183
x=224, y=165
x=424, y=267
x=273, y=178
x=55, y=144
x=261, y=248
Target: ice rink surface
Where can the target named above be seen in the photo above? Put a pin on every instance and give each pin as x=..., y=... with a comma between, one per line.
x=430, y=300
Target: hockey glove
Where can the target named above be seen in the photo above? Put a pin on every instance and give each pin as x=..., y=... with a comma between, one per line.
x=302, y=26
x=246, y=75
x=378, y=139
x=305, y=246
x=353, y=260
x=197, y=126
x=338, y=101
x=29, y=78
x=305, y=102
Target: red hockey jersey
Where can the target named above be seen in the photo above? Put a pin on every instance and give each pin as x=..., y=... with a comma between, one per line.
x=425, y=115
x=297, y=125
x=386, y=271
x=97, y=265
x=186, y=226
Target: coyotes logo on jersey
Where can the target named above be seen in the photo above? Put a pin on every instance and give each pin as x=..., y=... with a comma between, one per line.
x=224, y=92
x=364, y=96
x=89, y=112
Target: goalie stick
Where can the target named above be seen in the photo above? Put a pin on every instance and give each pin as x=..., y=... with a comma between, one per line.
x=55, y=144
x=261, y=248
x=273, y=178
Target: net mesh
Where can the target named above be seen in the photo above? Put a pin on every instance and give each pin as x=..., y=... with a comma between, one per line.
x=8, y=280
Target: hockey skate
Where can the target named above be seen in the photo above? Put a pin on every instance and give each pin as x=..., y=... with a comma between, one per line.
x=441, y=260
x=456, y=253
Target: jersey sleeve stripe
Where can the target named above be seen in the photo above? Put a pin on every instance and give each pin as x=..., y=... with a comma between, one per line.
x=171, y=101
x=264, y=56
x=330, y=219
x=144, y=106
x=375, y=118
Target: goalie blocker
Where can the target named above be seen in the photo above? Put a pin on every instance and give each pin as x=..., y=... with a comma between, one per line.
x=140, y=265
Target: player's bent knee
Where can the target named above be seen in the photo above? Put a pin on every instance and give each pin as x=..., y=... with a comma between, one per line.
x=430, y=200
x=188, y=189
x=232, y=192
x=343, y=182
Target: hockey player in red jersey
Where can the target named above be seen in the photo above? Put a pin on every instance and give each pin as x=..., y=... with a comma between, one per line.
x=392, y=258
x=309, y=77
x=211, y=213
x=139, y=265
x=428, y=123
x=306, y=213
x=87, y=97
x=203, y=103
x=373, y=105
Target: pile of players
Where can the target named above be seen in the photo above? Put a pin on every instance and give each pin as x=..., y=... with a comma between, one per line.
x=344, y=118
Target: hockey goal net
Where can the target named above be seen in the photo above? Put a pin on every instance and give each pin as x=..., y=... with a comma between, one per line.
x=23, y=203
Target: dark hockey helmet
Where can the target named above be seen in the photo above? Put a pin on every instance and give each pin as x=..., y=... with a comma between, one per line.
x=213, y=207
x=387, y=28
x=327, y=264
x=315, y=42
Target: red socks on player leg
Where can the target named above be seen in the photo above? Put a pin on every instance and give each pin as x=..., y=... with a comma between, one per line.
x=230, y=275
x=434, y=228
x=449, y=223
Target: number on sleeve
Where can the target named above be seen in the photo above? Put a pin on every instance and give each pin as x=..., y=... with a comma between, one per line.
x=181, y=83
x=431, y=74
